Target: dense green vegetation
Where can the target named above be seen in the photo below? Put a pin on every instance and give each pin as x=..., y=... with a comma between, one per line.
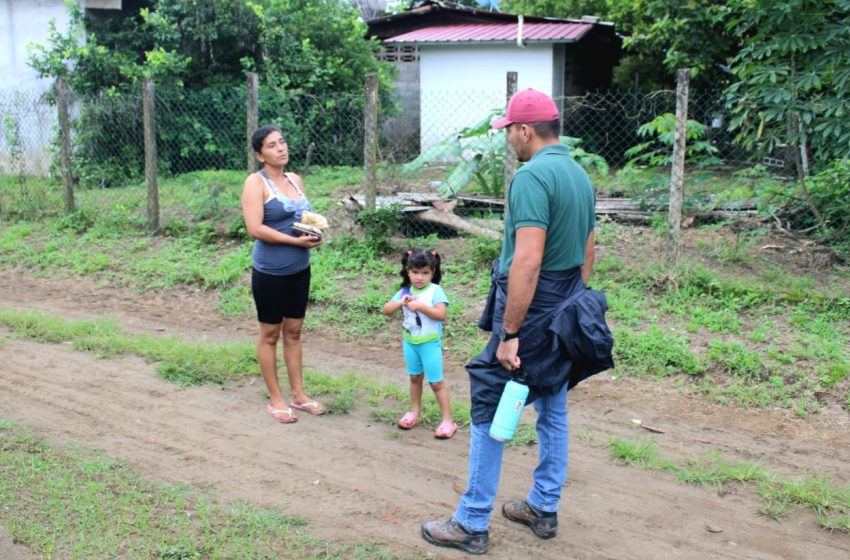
x=311, y=57
x=784, y=67
x=783, y=72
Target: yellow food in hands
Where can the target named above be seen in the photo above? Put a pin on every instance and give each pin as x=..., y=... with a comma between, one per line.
x=315, y=220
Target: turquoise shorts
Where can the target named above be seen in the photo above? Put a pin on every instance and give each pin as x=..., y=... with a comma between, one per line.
x=425, y=358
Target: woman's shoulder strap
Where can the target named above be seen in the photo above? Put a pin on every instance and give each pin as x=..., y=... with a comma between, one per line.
x=292, y=182
x=268, y=181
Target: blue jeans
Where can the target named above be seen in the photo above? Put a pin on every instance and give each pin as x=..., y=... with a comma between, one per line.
x=485, y=465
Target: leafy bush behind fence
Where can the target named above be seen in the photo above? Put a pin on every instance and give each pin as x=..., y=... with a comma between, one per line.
x=206, y=129
x=608, y=122
x=199, y=130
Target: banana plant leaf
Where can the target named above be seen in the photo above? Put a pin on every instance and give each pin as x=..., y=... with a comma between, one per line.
x=447, y=149
x=460, y=176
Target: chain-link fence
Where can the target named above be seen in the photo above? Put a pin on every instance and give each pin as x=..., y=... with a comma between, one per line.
x=446, y=133
x=608, y=122
x=27, y=141
x=194, y=130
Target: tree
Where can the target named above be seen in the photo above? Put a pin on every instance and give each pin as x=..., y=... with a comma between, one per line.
x=793, y=74
x=661, y=36
x=312, y=54
x=557, y=8
x=672, y=34
x=792, y=77
x=316, y=46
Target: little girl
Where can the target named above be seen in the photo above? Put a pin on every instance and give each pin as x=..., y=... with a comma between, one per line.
x=423, y=305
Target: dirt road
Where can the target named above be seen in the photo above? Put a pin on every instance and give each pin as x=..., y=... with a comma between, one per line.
x=353, y=480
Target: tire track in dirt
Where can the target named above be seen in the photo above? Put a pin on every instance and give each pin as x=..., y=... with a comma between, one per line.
x=355, y=480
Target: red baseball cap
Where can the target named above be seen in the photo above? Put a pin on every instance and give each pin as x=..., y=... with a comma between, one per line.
x=528, y=105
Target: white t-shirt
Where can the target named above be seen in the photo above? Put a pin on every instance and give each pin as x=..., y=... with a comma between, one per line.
x=418, y=327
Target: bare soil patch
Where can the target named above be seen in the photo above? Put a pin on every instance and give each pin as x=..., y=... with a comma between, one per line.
x=356, y=480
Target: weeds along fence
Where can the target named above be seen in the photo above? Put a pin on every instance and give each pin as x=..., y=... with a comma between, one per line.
x=609, y=123
x=207, y=129
x=194, y=130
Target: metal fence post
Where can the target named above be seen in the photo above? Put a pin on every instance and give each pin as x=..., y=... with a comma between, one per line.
x=677, y=173
x=148, y=108
x=370, y=140
x=253, y=117
x=62, y=99
x=510, y=154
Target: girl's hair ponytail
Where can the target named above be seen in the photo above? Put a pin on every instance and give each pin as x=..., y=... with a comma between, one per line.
x=420, y=258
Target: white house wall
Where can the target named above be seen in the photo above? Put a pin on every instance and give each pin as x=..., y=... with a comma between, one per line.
x=460, y=84
x=23, y=22
x=26, y=122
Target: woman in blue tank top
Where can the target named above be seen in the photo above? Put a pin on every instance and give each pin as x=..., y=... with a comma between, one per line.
x=272, y=200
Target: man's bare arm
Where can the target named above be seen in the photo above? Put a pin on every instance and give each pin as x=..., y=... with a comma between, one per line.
x=523, y=275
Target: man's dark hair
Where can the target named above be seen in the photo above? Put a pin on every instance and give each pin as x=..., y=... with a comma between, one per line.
x=547, y=129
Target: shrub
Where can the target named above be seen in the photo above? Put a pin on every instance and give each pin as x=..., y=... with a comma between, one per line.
x=379, y=225
x=657, y=150
x=830, y=191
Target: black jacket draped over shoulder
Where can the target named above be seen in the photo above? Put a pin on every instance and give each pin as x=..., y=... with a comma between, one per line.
x=563, y=339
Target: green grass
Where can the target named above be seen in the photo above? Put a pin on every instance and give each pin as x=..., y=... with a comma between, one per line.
x=640, y=453
x=79, y=504
x=654, y=352
x=816, y=493
x=776, y=339
x=745, y=325
x=713, y=471
x=524, y=436
x=186, y=363
x=737, y=360
x=706, y=188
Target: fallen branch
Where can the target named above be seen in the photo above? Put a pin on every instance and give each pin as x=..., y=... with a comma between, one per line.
x=452, y=220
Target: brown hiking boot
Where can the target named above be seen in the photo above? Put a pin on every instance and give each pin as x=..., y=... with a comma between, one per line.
x=448, y=533
x=544, y=524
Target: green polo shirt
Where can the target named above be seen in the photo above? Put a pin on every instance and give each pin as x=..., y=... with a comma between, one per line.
x=554, y=193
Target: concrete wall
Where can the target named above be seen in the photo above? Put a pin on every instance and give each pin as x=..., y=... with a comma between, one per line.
x=401, y=132
x=27, y=123
x=460, y=84
x=23, y=22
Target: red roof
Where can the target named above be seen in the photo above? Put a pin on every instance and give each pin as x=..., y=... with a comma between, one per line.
x=566, y=32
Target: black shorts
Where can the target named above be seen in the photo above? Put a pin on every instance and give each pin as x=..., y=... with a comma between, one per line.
x=279, y=297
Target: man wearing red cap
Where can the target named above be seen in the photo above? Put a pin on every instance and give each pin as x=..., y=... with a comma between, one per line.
x=545, y=263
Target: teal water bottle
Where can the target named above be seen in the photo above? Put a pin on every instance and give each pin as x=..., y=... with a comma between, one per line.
x=510, y=407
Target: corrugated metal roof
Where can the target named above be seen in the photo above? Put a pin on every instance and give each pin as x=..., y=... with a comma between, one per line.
x=495, y=32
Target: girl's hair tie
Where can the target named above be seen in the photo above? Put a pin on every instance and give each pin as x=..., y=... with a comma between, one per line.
x=409, y=252
x=434, y=253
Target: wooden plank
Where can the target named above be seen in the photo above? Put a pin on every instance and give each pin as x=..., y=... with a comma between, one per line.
x=370, y=139
x=418, y=202
x=482, y=200
x=252, y=112
x=149, y=119
x=62, y=101
x=454, y=221
x=419, y=197
x=385, y=201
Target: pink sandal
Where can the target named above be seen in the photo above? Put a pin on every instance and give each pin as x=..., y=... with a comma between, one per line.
x=445, y=430
x=282, y=415
x=408, y=421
